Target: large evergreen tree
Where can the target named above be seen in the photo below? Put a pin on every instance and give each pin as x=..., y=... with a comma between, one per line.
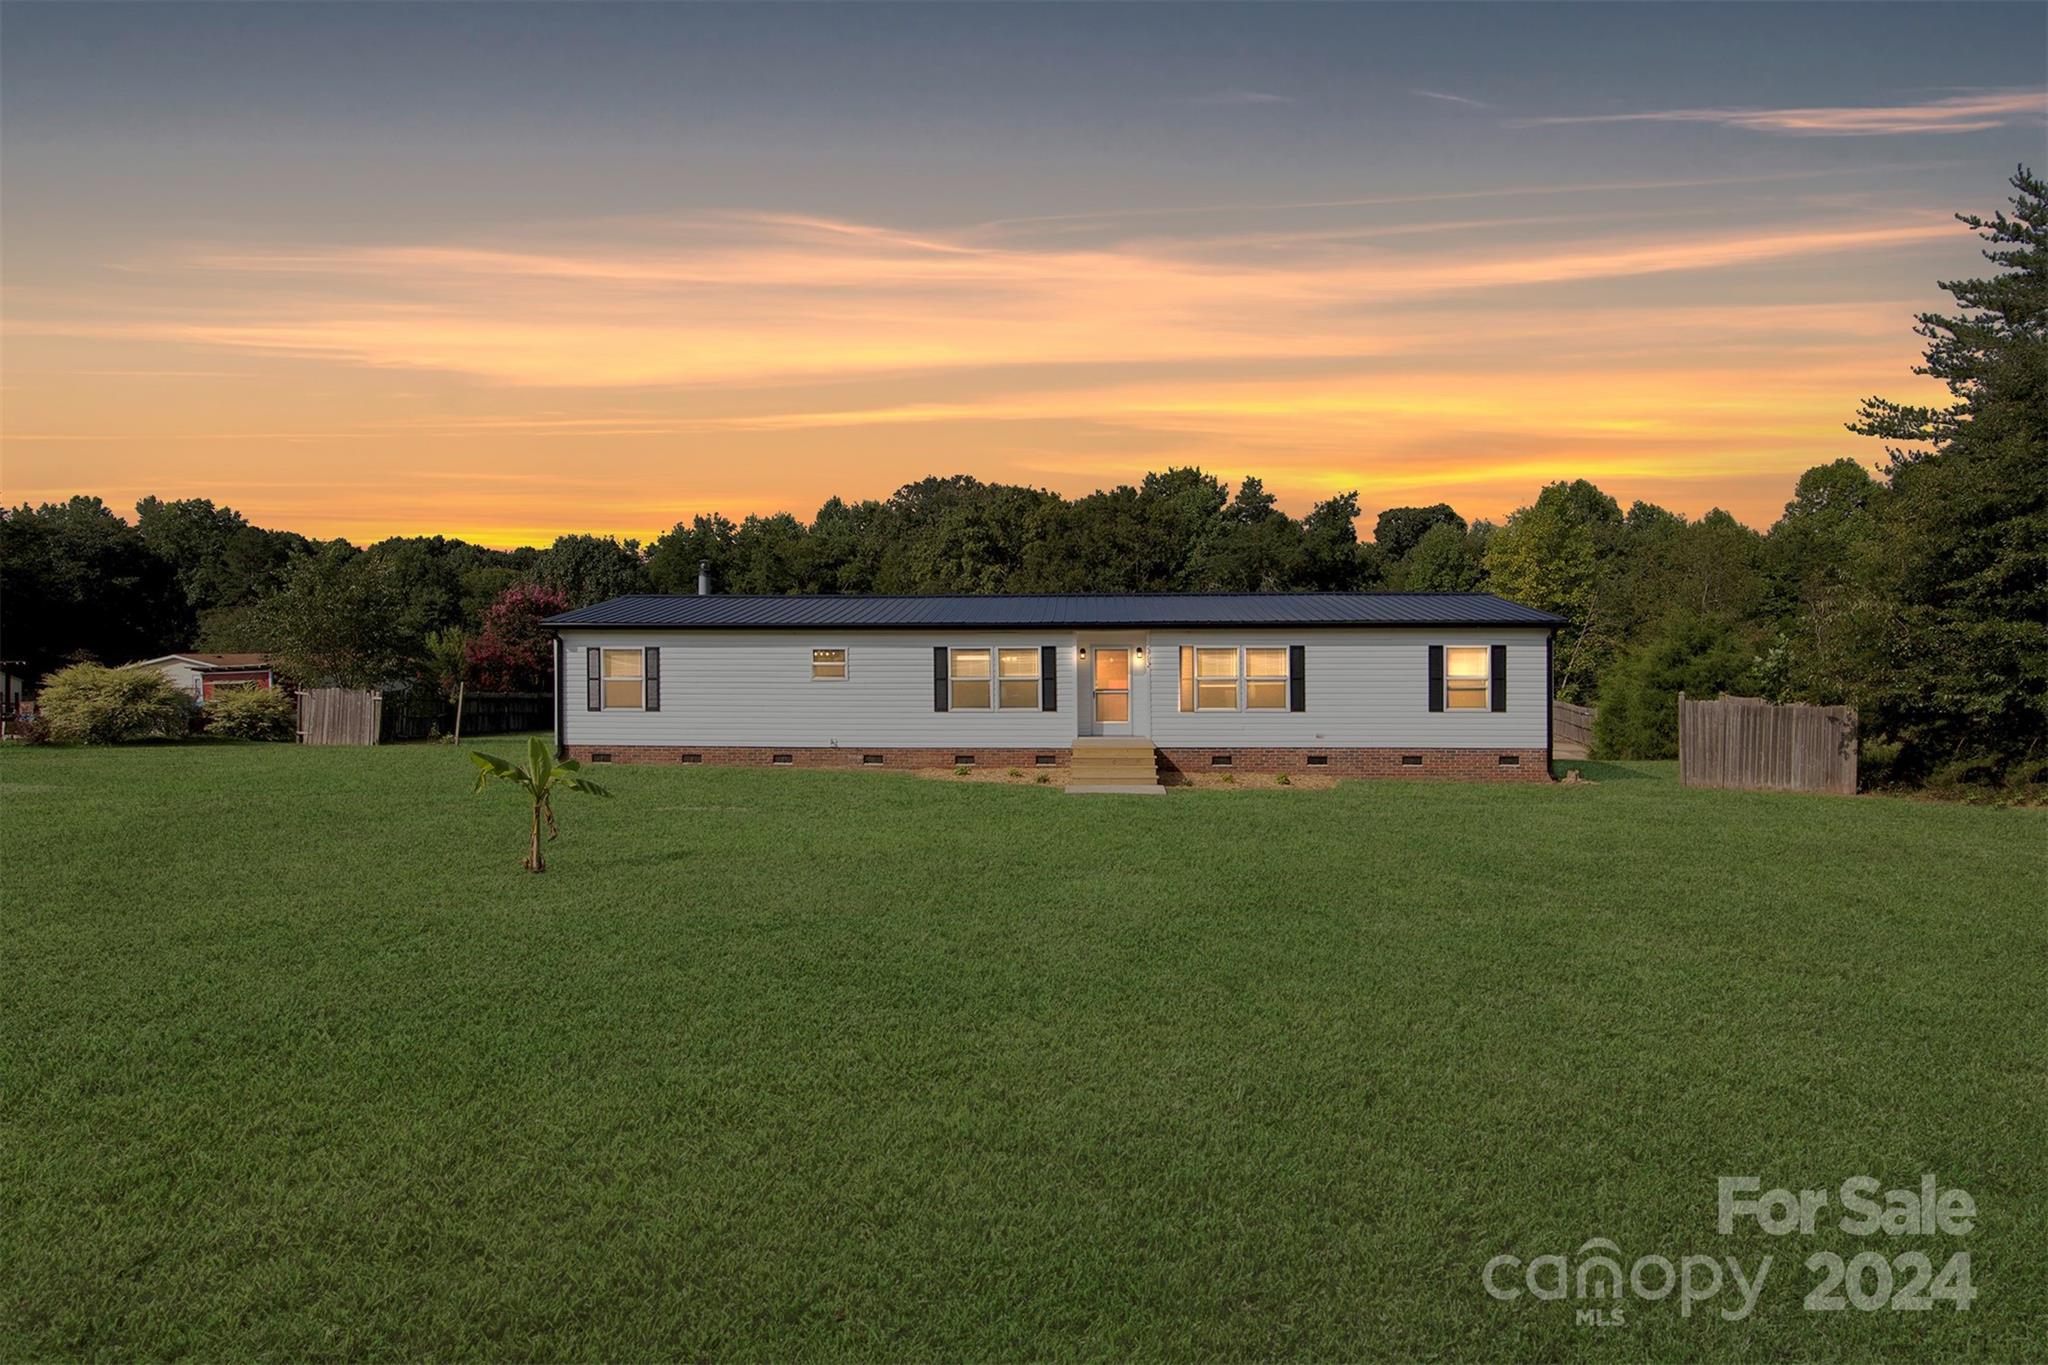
x=1952, y=629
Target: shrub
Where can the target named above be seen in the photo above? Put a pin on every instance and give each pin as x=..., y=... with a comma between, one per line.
x=961, y=770
x=252, y=713
x=29, y=729
x=1283, y=780
x=1879, y=763
x=91, y=704
x=1016, y=772
x=1971, y=770
x=1700, y=656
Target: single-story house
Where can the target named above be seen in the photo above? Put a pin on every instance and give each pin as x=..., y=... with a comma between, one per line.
x=201, y=675
x=1123, y=687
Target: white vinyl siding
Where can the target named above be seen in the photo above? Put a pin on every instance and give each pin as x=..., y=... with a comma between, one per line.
x=755, y=688
x=1366, y=688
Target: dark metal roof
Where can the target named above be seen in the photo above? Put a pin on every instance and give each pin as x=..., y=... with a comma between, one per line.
x=1065, y=611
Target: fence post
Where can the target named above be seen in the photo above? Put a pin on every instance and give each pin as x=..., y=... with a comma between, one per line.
x=1684, y=764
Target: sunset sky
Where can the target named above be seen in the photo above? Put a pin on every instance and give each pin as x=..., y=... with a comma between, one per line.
x=506, y=272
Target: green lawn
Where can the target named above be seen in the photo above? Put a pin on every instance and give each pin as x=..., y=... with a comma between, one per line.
x=296, y=1061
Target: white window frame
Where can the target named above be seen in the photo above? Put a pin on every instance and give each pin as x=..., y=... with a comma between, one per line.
x=844, y=663
x=1285, y=677
x=1244, y=678
x=1036, y=677
x=1484, y=681
x=954, y=679
x=1236, y=678
x=606, y=677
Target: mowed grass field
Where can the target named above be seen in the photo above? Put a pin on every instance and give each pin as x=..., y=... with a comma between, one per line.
x=297, y=1062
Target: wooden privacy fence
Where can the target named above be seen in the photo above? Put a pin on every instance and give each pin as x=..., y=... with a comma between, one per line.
x=1747, y=743
x=339, y=715
x=1571, y=728
x=501, y=713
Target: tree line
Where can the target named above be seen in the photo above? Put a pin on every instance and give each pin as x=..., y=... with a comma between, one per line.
x=1918, y=594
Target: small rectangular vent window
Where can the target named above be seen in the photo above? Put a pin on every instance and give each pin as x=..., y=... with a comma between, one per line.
x=1219, y=760
x=1411, y=760
x=1510, y=760
x=783, y=760
x=1318, y=760
x=600, y=758
x=1045, y=760
x=964, y=759
x=690, y=758
x=871, y=760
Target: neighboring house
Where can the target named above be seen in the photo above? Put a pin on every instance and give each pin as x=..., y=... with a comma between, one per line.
x=201, y=675
x=13, y=691
x=1122, y=686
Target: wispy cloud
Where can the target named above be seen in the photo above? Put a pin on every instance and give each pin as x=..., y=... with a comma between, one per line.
x=713, y=352
x=1448, y=98
x=764, y=299
x=1229, y=98
x=1966, y=113
x=1570, y=189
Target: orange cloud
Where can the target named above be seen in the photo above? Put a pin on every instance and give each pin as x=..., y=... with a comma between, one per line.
x=757, y=300
x=625, y=375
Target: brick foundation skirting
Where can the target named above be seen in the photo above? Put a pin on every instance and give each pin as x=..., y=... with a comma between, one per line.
x=847, y=756
x=1470, y=765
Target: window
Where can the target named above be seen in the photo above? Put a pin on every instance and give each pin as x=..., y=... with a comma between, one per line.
x=1263, y=671
x=624, y=683
x=1215, y=679
x=1019, y=681
x=970, y=679
x=828, y=663
x=1467, y=677
x=1265, y=674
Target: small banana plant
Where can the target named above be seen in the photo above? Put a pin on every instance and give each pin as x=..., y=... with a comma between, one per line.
x=540, y=778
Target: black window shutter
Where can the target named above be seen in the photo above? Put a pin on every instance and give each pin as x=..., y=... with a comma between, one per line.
x=1297, y=677
x=1048, y=677
x=940, y=701
x=595, y=701
x=1500, y=677
x=1436, y=677
x=653, y=671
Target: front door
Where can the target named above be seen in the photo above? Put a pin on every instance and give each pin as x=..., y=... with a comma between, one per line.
x=1112, y=689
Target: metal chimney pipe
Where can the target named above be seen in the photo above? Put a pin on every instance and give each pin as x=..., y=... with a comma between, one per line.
x=703, y=578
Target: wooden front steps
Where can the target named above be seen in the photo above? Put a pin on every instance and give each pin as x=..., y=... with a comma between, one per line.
x=1124, y=764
